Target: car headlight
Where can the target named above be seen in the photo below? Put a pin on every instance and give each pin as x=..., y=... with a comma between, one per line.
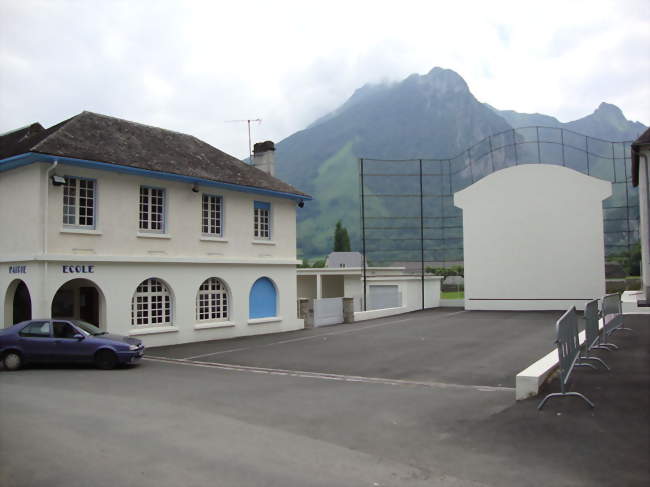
x=134, y=347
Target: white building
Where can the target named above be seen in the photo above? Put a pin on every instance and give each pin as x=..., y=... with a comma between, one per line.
x=144, y=231
x=388, y=290
x=640, y=301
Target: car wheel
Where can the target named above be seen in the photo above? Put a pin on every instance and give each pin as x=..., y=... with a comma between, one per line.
x=105, y=359
x=12, y=361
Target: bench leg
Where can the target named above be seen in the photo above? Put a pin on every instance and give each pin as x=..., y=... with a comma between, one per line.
x=597, y=359
x=559, y=394
x=578, y=364
x=621, y=328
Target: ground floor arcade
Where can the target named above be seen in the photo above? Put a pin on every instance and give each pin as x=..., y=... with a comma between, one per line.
x=162, y=302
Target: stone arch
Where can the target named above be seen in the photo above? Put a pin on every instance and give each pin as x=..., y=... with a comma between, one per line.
x=82, y=299
x=18, y=303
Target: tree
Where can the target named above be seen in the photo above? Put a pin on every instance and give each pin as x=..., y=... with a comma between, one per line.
x=341, y=238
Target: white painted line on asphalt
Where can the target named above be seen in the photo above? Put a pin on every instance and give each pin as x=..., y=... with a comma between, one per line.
x=313, y=337
x=328, y=376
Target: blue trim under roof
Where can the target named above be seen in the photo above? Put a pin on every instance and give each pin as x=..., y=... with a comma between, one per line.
x=33, y=157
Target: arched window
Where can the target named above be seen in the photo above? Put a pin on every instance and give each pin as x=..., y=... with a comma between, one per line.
x=151, y=304
x=212, y=301
x=262, y=301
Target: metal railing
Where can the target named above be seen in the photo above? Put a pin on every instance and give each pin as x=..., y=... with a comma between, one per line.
x=569, y=353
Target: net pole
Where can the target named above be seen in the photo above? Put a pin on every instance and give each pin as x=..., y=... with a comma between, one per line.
x=421, y=235
x=363, y=233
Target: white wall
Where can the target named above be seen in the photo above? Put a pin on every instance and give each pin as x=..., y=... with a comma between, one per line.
x=533, y=238
x=21, y=210
x=644, y=210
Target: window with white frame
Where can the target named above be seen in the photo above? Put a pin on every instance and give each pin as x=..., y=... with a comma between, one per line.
x=262, y=220
x=212, y=215
x=79, y=195
x=212, y=301
x=152, y=209
x=151, y=304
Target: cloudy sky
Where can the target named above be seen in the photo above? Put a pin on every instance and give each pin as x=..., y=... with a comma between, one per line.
x=191, y=66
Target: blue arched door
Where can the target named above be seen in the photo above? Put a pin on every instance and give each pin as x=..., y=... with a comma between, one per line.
x=262, y=302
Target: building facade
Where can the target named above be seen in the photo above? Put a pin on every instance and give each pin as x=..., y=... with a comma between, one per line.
x=144, y=232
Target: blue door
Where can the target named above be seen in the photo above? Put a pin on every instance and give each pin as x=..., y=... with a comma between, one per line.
x=262, y=302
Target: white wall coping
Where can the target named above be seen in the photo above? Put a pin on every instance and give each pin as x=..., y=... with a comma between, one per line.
x=380, y=313
x=152, y=330
x=403, y=278
x=214, y=324
x=144, y=259
x=260, y=321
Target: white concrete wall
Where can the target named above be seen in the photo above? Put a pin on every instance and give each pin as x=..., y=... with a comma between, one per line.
x=306, y=287
x=21, y=210
x=533, y=238
x=353, y=289
x=644, y=210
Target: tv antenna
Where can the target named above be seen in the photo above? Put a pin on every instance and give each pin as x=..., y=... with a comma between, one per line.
x=248, y=121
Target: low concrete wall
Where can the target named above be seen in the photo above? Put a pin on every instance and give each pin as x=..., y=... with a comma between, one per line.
x=380, y=313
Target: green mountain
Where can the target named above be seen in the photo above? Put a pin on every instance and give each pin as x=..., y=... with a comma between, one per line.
x=424, y=116
x=433, y=115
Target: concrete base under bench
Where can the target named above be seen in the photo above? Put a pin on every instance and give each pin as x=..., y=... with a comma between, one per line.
x=529, y=380
x=635, y=302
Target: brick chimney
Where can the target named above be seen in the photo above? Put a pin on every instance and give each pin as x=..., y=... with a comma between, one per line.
x=263, y=157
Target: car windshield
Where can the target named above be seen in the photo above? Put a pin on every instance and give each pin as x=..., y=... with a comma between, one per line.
x=88, y=328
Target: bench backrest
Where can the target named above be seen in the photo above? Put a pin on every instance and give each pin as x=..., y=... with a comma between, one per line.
x=568, y=344
x=592, y=333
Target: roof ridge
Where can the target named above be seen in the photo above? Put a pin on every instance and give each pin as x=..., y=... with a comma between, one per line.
x=54, y=129
x=29, y=125
x=138, y=123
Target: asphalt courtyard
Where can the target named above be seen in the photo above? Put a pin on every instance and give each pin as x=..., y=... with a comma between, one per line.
x=425, y=399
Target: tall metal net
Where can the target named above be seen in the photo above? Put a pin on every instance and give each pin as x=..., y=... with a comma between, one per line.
x=408, y=217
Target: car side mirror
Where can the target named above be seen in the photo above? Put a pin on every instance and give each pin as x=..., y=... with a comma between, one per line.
x=78, y=336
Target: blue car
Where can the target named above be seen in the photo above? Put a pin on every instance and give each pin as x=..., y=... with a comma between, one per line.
x=65, y=340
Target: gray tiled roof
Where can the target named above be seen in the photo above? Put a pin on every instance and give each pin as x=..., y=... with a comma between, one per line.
x=101, y=138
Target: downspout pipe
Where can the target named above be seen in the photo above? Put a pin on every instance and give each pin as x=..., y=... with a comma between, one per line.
x=46, y=211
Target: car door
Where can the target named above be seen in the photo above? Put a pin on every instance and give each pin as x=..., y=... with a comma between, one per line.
x=36, y=341
x=67, y=348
